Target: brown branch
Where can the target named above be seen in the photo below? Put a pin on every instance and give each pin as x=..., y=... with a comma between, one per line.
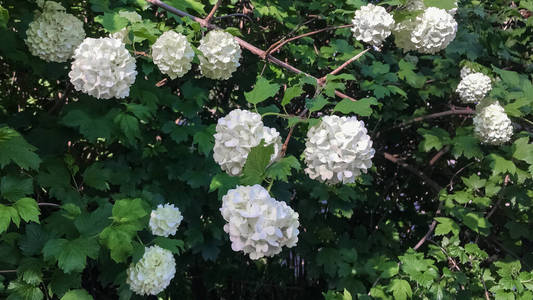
x=48, y=204
x=453, y=111
x=277, y=45
x=289, y=135
x=235, y=15
x=351, y=60
x=211, y=13
x=439, y=155
x=243, y=43
x=8, y=271
x=491, y=212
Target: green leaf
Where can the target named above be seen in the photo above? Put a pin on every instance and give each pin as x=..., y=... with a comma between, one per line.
x=523, y=150
x=77, y=295
x=174, y=246
x=466, y=145
x=4, y=17
x=190, y=5
x=13, y=188
x=291, y=93
x=129, y=216
x=401, y=290
x=262, y=90
x=361, y=107
x=434, y=138
x=445, y=226
x=223, y=183
x=281, y=170
x=444, y=4
x=71, y=255
x=477, y=222
x=500, y=165
x=256, y=163
x=96, y=176
x=28, y=209
x=25, y=291
x=407, y=73
x=316, y=104
x=205, y=140
x=8, y=214
x=474, y=182
x=13, y=148
x=129, y=126
x=112, y=22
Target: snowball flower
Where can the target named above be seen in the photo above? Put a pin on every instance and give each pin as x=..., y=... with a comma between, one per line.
x=465, y=71
x=153, y=272
x=103, y=68
x=372, y=24
x=258, y=224
x=236, y=135
x=474, y=87
x=165, y=220
x=54, y=34
x=172, y=54
x=430, y=32
x=220, y=55
x=491, y=124
x=338, y=150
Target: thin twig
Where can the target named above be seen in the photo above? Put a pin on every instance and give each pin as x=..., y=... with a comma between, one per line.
x=439, y=155
x=351, y=60
x=491, y=212
x=235, y=15
x=289, y=135
x=8, y=271
x=453, y=111
x=48, y=204
x=487, y=295
x=276, y=46
x=212, y=12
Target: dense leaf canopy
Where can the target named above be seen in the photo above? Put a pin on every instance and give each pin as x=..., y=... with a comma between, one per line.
x=439, y=215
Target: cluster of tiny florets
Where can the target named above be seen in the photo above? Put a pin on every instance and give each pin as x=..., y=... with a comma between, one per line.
x=220, y=54
x=165, y=220
x=465, y=71
x=491, y=124
x=430, y=32
x=338, y=150
x=153, y=272
x=173, y=54
x=236, y=134
x=258, y=224
x=54, y=34
x=372, y=24
x=103, y=68
x=474, y=87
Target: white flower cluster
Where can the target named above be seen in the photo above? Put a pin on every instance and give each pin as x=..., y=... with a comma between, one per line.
x=430, y=32
x=236, y=134
x=54, y=34
x=338, y=150
x=372, y=24
x=258, y=224
x=153, y=272
x=474, y=87
x=165, y=220
x=220, y=55
x=172, y=54
x=103, y=68
x=491, y=124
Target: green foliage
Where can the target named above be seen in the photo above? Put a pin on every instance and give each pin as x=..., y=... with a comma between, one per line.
x=79, y=176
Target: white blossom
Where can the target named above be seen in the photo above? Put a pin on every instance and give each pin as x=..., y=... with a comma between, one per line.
x=173, y=54
x=103, y=68
x=430, y=32
x=338, y=150
x=165, y=220
x=491, y=124
x=474, y=87
x=220, y=55
x=236, y=134
x=153, y=272
x=258, y=224
x=54, y=34
x=372, y=24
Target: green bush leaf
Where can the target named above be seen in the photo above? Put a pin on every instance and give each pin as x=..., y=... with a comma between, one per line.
x=71, y=255
x=361, y=107
x=28, y=209
x=14, y=148
x=256, y=163
x=262, y=90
